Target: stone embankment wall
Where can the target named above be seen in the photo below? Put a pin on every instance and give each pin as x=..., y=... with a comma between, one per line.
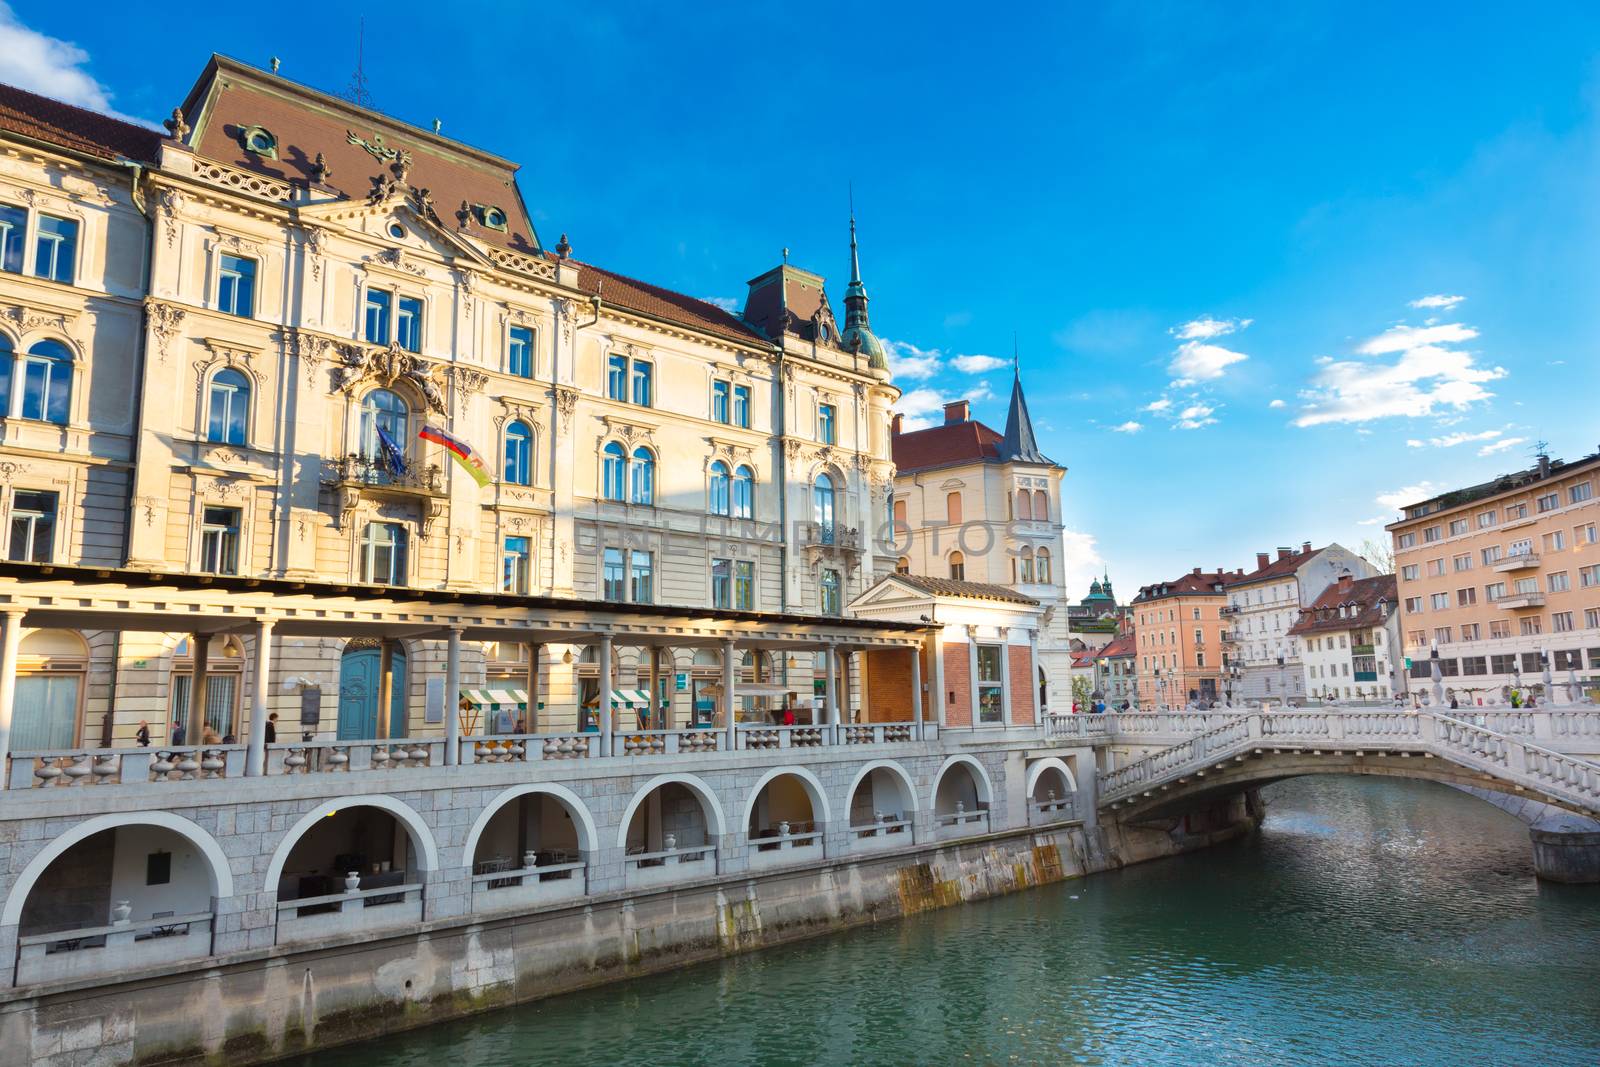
x=285, y=1001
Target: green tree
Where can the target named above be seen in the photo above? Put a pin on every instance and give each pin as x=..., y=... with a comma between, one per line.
x=1080, y=692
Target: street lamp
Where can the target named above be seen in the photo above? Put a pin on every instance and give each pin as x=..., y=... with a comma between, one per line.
x=1438, y=676
x=1283, y=683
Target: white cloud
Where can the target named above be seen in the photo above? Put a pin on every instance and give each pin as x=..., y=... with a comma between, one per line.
x=1502, y=445
x=1276, y=404
x=978, y=364
x=1128, y=427
x=907, y=362
x=1437, y=300
x=921, y=406
x=1428, y=378
x=50, y=66
x=1451, y=440
x=1080, y=559
x=1200, y=362
x=1158, y=405
x=726, y=303
x=1376, y=520
x=1206, y=327
x=1396, y=499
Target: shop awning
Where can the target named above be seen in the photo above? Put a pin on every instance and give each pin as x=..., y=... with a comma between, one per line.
x=625, y=698
x=495, y=698
x=766, y=689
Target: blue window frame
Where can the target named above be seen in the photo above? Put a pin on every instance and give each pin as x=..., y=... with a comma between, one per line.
x=519, y=454
x=718, y=504
x=744, y=493
x=55, y=249
x=643, y=373
x=516, y=565
x=741, y=406
x=519, y=352
x=228, y=415
x=613, y=481
x=378, y=304
x=47, y=383
x=408, y=324
x=617, y=377
x=722, y=583
x=644, y=476
x=719, y=401
x=7, y=358
x=827, y=429
x=383, y=554
x=641, y=578
x=822, y=508
x=611, y=578
x=383, y=410
x=744, y=585
x=13, y=232
x=236, y=286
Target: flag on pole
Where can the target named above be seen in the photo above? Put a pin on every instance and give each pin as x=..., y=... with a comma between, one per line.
x=462, y=452
x=393, y=457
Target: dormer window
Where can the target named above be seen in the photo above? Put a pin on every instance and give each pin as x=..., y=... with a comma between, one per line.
x=489, y=216
x=258, y=140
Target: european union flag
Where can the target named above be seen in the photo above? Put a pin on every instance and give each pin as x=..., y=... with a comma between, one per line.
x=393, y=457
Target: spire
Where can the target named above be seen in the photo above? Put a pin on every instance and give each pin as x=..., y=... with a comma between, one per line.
x=858, y=336
x=1019, y=445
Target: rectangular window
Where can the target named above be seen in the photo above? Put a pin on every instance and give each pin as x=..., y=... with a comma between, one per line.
x=719, y=401
x=13, y=231
x=612, y=580
x=55, y=249
x=1526, y=585
x=1467, y=597
x=1568, y=659
x=829, y=597
x=617, y=378
x=236, y=286
x=33, y=527
x=1406, y=540
x=1530, y=627
x=1436, y=568
x=1474, y=665
x=516, y=565
x=1462, y=562
x=1441, y=635
x=1469, y=631
x=1530, y=660
x=519, y=352
x=408, y=324
x=1555, y=541
x=641, y=578
x=1458, y=527
x=1408, y=573
x=827, y=429
x=1589, y=577
x=1413, y=605
x=1199, y=659
x=219, y=541
x=1492, y=555
x=744, y=585
x=376, y=327
x=1591, y=621
x=1516, y=511
x=722, y=583
x=1441, y=601
x=1561, y=622
x=1577, y=494
x=1585, y=534
x=1502, y=664
x=383, y=555
x=643, y=389
x=991, y=707
x=1485, y=519
x=157, y=868
x=1499, y=628
x=1560, y=582
x=1494, y=591
x=1522, y=548
x=741, y=406
x=1549, y=502
x=1431, y=534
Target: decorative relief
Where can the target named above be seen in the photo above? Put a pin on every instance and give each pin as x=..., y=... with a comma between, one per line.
x=566, y=309
x=313, y=241
x=236, y=242
x=376, y=147
x=386, y=366
x=228, y=489
x=26, y=319
x=469, y=383
x=149, y=505
x=397, y=259
x=9, y=470
x=566, y=403
x=165, y=321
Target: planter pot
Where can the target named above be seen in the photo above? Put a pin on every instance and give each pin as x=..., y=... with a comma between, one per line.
x=669, y=842
x=120, y=912
x=352, y=882
x=530, y=860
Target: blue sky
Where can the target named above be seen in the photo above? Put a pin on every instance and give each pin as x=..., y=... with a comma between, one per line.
x=1272, y=271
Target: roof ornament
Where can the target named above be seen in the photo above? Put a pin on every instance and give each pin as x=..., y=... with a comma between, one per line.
x=374, y=147
x=436, y=124
x=564, y=250
x=276, y=63
x=858, y=336
x=178, y=128
x=320, y=171
x=357, y=92
x=464, y=215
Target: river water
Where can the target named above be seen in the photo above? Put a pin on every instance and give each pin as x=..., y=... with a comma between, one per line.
x=1369, y=922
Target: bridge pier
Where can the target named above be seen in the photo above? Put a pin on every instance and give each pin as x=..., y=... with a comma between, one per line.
x=1566, y=848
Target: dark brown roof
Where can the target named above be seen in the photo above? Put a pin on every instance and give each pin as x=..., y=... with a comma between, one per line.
x=945, y=446
x=618, y=290
x=1121, y=645
x=1205, y=583
x=1362, y=594
x=75, y=128
x=1278, y=568
x=969, y=590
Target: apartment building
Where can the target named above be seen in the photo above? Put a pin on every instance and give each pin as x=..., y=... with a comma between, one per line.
x=1494, y=576
x=1177, y=629
x=1350, y=637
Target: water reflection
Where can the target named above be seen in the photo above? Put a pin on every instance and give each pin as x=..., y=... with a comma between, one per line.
x=1371, y=922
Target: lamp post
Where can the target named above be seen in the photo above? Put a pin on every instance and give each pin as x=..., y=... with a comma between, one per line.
x=1438, y=677
x=1283, y=683
x=1549, y=683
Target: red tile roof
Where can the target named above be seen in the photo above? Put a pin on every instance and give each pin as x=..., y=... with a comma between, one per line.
x=75, y=128
x=945, y=446
x=1361, y=594
x=618, y=290
x=1121, y=645
x=1277, y=568
x=969, y=590
x=1206, y=583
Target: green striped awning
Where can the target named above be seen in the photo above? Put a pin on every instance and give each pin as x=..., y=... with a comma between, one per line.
x=495, y=698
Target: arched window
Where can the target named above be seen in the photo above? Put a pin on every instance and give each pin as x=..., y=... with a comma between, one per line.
x=958, y=566
x=383, y=414
x=51, y=668
x=718, y=503
x=1024, y=506
x=744, y=493
x=830, y=602
x=1041, y=565
x=7, y=357
x=519, y=454
x=1025, y=566
x=228, y=407
x=644, y=476
x=614, y=474
x=1041, y=506
x=47, y=382
x=822, y=508
x=902, y=566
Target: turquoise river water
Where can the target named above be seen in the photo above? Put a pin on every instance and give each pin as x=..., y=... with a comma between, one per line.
x=1369, y=922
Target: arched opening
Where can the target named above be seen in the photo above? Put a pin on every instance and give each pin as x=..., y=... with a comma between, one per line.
x=349, y=868
x=670, y=833
x=134, y=894
x=822, y=508
x=613, y=471
x=717, y=502
x=958, y=566
x=228, y=408
x=45, y=392
x=385, y=423
x=529, y=849
x=744, y=493
x=48, y=708
x=961, y=798
x=643, y=481
x=785, y=820
x=881, y=807
x=519, y=454
x=1051, y=794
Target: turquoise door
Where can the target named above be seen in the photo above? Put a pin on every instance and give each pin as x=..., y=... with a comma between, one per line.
x=359, y=683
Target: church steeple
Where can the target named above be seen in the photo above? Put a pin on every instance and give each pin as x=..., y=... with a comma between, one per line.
x=1019, y=446
x=858, y=336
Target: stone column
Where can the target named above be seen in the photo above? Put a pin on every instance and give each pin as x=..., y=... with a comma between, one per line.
x=605, y=694
x=916, y=691
x=830, y=696
x=256, y=757
x=535, y=652
x=730, y=698
x=936, y=651
x=200, y=649
x=452, y=697
x=972, y=674
x=1005, y=676
x=385, y=687
x=10, y=644
x=655, y=688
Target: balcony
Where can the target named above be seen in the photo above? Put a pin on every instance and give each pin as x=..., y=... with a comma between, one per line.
x=1228, y=609
x=829, y=536
x=1363, y=650
x=1520, y=562
x=356, y=471
x=1232, y=637
x=1514, y=601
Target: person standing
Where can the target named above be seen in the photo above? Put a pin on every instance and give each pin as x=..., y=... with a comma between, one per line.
x=178, y=734
x=272, y=728
x=142, y=736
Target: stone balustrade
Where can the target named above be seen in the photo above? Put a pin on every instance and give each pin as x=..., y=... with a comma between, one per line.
x=336, y=914
x=83, y=953
x=58, y=768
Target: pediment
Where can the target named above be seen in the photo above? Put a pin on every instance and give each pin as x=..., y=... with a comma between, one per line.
x=399, y=224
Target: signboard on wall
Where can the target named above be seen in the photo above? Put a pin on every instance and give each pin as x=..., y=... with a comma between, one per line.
x=681, y=682
x=311, y=707
x=433, y=710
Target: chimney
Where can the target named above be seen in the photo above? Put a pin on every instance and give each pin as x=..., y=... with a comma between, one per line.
x=1284, y=551
x=957, y=411
x=1262, y=559
x=1197, y=572
x=1305, y=547
x=1544, y=465
x=1345, y=580
x=895, y=424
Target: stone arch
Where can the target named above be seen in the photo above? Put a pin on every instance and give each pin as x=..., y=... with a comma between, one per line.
x=421, y=837
x=907, y=784
x=980, y=779
x=716, y=824
x=221, y=872
x=1037, y=768
x=813, y=787
x=583, y=821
